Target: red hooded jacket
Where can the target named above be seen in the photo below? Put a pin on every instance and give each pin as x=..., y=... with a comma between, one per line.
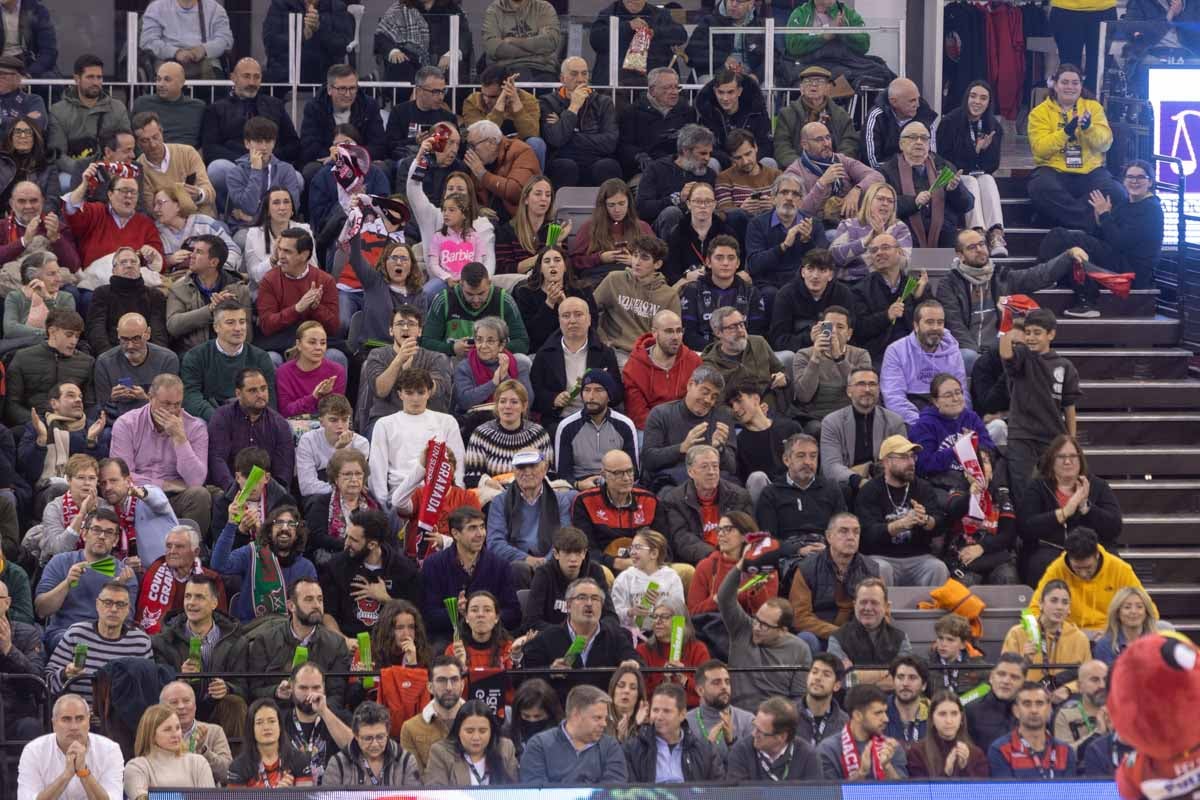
x=648, y=385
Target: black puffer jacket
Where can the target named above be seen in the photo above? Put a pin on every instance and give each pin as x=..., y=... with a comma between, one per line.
x=172, y=645
x=120, y=297
x=751, y=115
x=667, y=34
x=224, y=121
x=647, y=135
x=699, y=760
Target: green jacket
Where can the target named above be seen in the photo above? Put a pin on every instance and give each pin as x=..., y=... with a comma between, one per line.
x=801, y=44
x=71, y=120
x=17, y=581
x=796, y=115
x=757, y=364
x=208, y=376
x=450, y=318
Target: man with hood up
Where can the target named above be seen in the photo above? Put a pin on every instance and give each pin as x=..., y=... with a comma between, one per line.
x=524, y=36
x=911, y=363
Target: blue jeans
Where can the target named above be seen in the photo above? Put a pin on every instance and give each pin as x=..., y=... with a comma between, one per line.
x=538, y=145
x=218, y=173
x=432, y=287
x=348, y=303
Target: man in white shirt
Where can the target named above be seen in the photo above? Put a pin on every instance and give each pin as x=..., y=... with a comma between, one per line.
x=71, y=763
x=399, y=440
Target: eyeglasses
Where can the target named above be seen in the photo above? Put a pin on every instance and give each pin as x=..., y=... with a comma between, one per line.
x=125, y=192
x=1067, y=457
x=398, y=259
x=375, y=738
x=1135, y=178
x=588, y=598
x=638, y=546
x=981, y=245
x=702, y=203
x=881, y=248
x=113, y=604
x=406, y=323
x=662, y=617
x=110, y=532
x=759, y=733
x=758, y=623
x=733, y=326
x=620, y=473
x=814, y=80
x=915, y=137
x=24, y=132
x=290, y=524
x=439, y=92
x=727, y=529
x=344, y=89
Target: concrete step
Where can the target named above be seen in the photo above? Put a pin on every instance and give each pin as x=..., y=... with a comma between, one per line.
x=1024, y=241
x=1156, y=428
x=1018, y=212
x=1141, y=303
x=1144, y=461
x=1181, y=529
x=1151, y=506
x=1163, y=565
x=1013, y=187
x=1178, y=600
x=1140, y=395
x=1129, y=364
x=1118, y=332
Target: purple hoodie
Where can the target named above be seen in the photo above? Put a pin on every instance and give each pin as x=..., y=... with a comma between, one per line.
x=907, y=369
x=937, y=436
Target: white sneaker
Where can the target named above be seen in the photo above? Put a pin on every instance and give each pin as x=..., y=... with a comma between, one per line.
x=996, y=243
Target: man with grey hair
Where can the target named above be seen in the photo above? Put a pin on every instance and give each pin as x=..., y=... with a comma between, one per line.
x=695, y=507
x=168, y=447
x=650, y=126
x=607, y=645
x=409, y=121
x=777, y=240
x=163, y=590
x=26, y=222
x=501, y=166
x=668, y=181
x=743, y=357
x=672, y=429
x=579, y=126
x=579, y=751
x=71, y=763
x=204, y=739
x=124, y=373
x=893, y=110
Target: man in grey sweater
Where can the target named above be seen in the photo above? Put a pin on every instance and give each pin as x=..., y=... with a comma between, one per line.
x=764, y=640
x=577, y=752
x=699, y=418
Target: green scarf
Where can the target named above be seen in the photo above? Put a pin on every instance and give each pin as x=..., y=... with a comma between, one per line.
x=267, y=590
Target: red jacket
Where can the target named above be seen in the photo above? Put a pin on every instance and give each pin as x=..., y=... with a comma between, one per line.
x=278, y=295
x=505, y=177
x=711, y=570
x=11, y=246
x=695, y=653
x=648, y=385
x=97, y=235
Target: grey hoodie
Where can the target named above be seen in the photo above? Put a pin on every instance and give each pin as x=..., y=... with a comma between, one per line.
x=531, y=26
x=71, y=119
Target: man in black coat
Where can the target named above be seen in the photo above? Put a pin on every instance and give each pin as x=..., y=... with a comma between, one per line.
x=553, y=390
x=691, y=758
x=328, y=28
x=773, y=753
x=991, y=716
x=798, y=507
x=650, y=127
x=580, y=127
x=21, y=653
x=607, y=645
x=732, y=101
x=801, y=302
x=341, y=94
x=901, y=103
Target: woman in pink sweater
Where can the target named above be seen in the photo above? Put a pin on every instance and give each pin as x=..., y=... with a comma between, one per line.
x=308, y=376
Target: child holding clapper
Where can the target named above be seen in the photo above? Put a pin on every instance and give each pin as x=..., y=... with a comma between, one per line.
x=650, y=581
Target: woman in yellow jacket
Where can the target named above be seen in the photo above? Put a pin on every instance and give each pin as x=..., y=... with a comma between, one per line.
x=1076, y=27
x=1069, y=136
x=1061, y=643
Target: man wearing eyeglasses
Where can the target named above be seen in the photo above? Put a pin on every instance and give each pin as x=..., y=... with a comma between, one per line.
x=126, y=293
x=975, y=284
x=772, y=752
x=124, y=374
x=741, y=356
x=341, y=101
x=895, y=108
x=108, y=638
x=100, y=229
x=379, y=391
x=884, y=315
x=408, y=121
x=776, y=241
x=21, y=653
x=833, y=182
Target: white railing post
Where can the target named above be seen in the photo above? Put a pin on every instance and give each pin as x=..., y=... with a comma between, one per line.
x=455, y=59
x=295, y=39
x=614, y=51
x=769, y=66
x=131, y=52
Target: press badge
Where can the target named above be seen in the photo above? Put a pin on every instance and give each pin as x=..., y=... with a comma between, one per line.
x=1073, y=155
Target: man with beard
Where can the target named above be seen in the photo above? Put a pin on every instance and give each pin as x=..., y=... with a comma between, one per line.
x=379, y=391
x=861, y=751
x=108, y=638
x=658, y=368
x=719, y=286
x=744, y=186
x=583, y=438
x=419, y=733
x=911, y=363
x=814, y=105
x=46, y=445
x=1080, y=717
x=777, y=240
x=224, y=120
x=271, y=646
x=369, y=572
x=125, y=374
x=26, y=221
x=249, y=422
x=667, y=182
x=742, y=357
x=164, y=591
x=37, y=369
x=820, y=372
x=315, y=729
x=71, y=763
x=209, y=369
x=900, y=516
x=144, y=512
x=523, y=521
x=822, y=591
x=83, y=114
x=850, y=436
x=832, y=183
x=820, y=715
x=674, y=428
x=773, y=752
x=991, y=716
x=562, y=361
x=274, y=554
x=202, y=738
x=803, y=300
x=798, y=508
x=908, y=707
x=1030, y=752
x=452, y=314
x=716, y=718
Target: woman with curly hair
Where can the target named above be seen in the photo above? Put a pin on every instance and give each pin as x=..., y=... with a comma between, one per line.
x=269, y=564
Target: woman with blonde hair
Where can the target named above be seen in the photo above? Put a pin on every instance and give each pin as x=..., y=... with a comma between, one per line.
x=1131, y=615
x=602, y=244
x=160, y=757
x=494, y=444
x=647, y=583
x=525, y=234
x=177, y=221
x=308, y=375
x=876, y=215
